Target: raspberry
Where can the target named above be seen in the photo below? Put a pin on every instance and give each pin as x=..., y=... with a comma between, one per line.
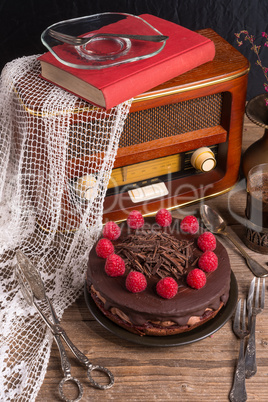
x=104, y=248
x=167, y=287
x=163, y=217
x=208, y=261
x=190, y=224
x=114, y=266
x=206, y=241
x=111, y=231
x=136, y=282
x=196, y=278
x=135, y=220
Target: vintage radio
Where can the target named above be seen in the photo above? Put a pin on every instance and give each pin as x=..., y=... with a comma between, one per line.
x=182, y=140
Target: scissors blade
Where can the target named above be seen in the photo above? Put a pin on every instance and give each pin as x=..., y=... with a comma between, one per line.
x=32, y=275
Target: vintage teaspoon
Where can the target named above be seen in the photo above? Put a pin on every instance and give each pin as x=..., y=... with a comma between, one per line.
x=216, y=224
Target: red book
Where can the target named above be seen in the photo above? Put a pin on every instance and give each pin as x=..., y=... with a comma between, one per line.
x=183, y=51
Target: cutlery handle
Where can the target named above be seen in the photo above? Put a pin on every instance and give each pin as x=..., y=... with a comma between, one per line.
x=256, y=268
x=148, y=38
x=238, y=392
x=250, y=356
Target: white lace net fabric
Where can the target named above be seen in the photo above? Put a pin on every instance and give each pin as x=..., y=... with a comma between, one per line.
x=57, y=153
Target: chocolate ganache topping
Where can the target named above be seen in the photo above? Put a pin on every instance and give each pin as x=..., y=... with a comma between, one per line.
x=158, y=252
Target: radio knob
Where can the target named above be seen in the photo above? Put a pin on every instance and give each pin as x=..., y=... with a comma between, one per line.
x=203, y=159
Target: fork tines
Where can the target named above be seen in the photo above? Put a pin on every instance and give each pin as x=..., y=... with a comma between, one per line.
x=240, y=329
x=258, y=305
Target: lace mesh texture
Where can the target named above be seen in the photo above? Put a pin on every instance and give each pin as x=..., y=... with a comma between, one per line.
x=52, y=189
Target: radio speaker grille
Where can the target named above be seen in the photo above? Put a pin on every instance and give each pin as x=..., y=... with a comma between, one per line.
x=155, y=123
x=171, y=119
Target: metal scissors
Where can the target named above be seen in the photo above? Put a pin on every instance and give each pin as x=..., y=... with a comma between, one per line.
x=32, y=288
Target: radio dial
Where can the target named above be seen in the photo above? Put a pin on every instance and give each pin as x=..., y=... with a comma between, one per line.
x=203, y=159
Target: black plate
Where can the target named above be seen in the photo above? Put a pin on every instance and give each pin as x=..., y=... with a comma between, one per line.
x=185, y=338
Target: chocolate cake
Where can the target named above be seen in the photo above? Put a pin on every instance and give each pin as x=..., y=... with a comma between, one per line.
x=159, y=252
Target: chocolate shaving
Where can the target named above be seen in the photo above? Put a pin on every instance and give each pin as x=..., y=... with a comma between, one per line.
x=156, y=253
x=195, y=262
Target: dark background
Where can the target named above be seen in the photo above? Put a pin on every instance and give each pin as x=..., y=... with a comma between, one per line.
x=22, y=22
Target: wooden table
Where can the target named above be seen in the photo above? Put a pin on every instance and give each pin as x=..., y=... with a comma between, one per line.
x=201, y=371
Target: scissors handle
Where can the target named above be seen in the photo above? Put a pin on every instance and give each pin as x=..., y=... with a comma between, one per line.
x=66, y=368
x=79, y=388
x=104, y=370
x=84, y=360
x=59, y=331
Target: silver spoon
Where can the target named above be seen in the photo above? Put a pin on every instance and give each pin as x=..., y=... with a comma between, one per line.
x=216, y=224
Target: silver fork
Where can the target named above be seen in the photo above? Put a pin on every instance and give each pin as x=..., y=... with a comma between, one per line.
x=253, y=310
x=80, y=41
x=238, y=392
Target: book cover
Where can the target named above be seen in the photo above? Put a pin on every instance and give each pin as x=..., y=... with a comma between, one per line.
x=184, y=50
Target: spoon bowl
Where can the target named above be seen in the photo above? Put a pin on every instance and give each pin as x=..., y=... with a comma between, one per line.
x=212, y=220
x=216, y=224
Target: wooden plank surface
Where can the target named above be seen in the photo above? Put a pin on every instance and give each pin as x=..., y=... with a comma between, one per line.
x=201, y=371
